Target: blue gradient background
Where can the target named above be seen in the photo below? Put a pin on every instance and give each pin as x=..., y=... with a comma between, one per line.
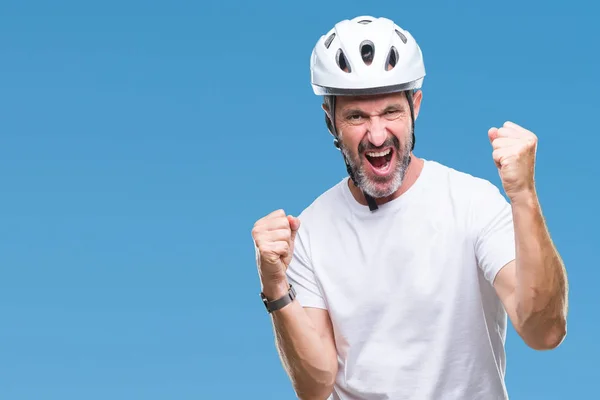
x=139, y=142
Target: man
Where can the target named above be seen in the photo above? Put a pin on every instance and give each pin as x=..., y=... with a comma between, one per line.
x=396, y=282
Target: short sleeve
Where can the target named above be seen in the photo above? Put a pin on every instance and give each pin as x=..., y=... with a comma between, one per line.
x=301, y=275
x=494, y=231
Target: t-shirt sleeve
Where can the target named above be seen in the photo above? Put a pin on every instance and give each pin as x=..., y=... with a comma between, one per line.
x=494, y=231
x=301, y=275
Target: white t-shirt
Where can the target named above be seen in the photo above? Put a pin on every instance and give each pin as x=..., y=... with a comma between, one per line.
x=409, y=287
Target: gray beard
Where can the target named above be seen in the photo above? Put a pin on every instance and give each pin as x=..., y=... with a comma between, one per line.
x=369, y=184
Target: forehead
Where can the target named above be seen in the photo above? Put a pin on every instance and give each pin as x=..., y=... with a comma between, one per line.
x=370, y=102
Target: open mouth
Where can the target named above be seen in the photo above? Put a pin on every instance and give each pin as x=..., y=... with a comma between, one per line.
x=380, y=161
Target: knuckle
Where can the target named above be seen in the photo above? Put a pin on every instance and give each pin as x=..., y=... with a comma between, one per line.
x=269, y=253
x=266, y=252
x=261, y=249
x=270, y=258
x=261, y=246
x=258, y=235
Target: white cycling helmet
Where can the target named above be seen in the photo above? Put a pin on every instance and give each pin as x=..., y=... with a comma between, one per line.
x=366, y=55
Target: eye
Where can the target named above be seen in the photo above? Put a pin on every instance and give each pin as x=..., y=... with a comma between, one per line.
x=354, y=118
x=392, y=114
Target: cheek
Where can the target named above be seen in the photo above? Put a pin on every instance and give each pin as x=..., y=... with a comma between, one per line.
x=351, y=136
x=400, y=130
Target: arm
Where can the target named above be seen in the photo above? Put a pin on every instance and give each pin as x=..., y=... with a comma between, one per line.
x=534, y=287
x=304, y=335
x=304, y=340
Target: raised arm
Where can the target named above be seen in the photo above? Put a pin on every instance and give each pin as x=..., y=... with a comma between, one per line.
x=534, y=286
x=303, y=336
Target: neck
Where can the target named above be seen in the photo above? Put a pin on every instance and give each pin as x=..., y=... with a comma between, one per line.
x=412, y=174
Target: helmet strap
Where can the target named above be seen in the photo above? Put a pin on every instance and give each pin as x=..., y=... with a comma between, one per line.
x=370, y=200
x=412, y=115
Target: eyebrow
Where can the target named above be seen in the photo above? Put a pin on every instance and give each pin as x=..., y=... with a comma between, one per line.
x=354, y=111
x=395, y=106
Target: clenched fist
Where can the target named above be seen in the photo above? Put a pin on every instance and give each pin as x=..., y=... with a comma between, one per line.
x=274, y=237
x=514, y=155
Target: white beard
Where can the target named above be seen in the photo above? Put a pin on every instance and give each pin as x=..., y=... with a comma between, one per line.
x=379, y=187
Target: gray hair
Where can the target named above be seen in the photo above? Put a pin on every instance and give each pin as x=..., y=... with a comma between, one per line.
x=330, y=104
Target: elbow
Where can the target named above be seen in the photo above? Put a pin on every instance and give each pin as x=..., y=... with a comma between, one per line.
x=322, y=395
x=322, y=392
x=555, y=336
x=549, y=338
x=542, y=324
x=319, y=389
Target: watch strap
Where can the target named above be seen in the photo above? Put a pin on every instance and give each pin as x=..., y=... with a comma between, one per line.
x=281, y=302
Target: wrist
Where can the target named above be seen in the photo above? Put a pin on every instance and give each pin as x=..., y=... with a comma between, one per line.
x=526, y=198
x=275, y=289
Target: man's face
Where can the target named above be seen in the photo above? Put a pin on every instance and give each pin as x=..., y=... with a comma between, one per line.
x=375, y=135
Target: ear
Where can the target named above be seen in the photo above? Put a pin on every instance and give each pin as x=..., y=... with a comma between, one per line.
x=325, y=108
x=328, y=120
x=417, y=97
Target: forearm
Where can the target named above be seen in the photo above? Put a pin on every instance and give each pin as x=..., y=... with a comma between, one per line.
x=541, y=293
x=310, y=364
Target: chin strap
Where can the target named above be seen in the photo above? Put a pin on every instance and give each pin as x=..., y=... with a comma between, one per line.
x=412, y=116
x=370, y=200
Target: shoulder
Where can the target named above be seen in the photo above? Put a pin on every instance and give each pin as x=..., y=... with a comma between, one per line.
x=476, y=203
x=316, y=216
x=474, y=198
x=326, y=203
x=460, y=183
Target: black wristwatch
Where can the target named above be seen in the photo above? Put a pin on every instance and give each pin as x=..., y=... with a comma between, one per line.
x=279, y=303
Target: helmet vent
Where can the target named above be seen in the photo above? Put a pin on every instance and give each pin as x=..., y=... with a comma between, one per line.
x=402, y=37
x=342, y=62
x=392, y=59
x=329, y=40
x=365, y=21
x=367, y=51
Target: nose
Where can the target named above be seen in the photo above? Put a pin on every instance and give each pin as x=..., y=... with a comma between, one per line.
x=377, y=132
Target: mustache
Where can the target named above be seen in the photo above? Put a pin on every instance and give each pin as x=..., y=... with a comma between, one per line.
x=365, y=145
